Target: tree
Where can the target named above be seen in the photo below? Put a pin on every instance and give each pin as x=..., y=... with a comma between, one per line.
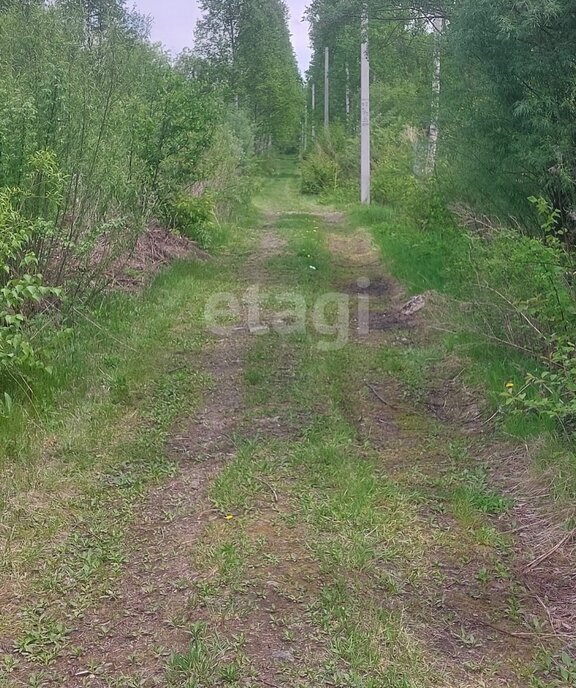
x=246, y=44
x=216, y=38
x=512, y=120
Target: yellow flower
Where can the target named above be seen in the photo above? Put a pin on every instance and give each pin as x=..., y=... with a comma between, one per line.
x=229, y=517
x=509, y=386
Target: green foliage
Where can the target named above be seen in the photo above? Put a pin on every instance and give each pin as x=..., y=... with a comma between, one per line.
x=320, y=172
x=506, y=148
x=400, y=64
x=550, y=312
x=21, y=286
x=229, y=166
x=393, y=181
x=331, y=163
x=117, y=124
x=509, y=105
x=551, y=392
x=193, y=217
x=515, y=291
x=246, y=46
x=97, y=128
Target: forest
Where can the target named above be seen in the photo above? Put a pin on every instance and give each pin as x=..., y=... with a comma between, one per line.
x=255, y=432
x=503, y=169
x=101, y=132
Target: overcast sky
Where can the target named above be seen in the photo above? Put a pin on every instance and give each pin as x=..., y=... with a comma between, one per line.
x=173, y=24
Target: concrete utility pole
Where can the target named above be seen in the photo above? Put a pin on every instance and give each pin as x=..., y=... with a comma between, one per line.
x=305, y=128
x=327, y=87
x=365, y=145
x=313, y=110
x=348, y=107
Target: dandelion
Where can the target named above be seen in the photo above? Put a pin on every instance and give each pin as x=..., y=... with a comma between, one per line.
x=510, y=386
x=230, y=517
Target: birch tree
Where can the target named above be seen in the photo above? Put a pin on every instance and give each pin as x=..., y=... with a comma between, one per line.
x=434, y=130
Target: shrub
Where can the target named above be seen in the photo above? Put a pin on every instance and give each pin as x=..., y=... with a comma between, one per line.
x=549, y=314
x=20, y=287
x=193, y=217
x=320, y=172
x=393, y=180
x=227, y=167
x=552, y=391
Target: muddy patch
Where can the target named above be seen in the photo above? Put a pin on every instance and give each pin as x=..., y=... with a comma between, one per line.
x=376, y=287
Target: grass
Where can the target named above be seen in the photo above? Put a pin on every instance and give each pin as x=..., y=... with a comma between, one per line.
x=77, y=464
x=206, y=663
x=444, y=259
x=331, y=555
x=350, y=528
x=421, y=259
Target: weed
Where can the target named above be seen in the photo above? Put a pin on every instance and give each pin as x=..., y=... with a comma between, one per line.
x=466, y=638
x=203, y=664
x=44, y=637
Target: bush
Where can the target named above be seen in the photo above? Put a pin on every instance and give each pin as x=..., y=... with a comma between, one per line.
x=393, y=180
x=193, y=217
x=332, y=163
x=320, y=173
x=21, y=286
x=546, y=305
x=228, y=167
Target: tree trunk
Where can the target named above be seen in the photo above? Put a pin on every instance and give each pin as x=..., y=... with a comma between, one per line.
x=434, y=133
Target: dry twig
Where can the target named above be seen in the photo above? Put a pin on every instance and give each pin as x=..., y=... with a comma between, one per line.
x=379, y=396
x=543, y=557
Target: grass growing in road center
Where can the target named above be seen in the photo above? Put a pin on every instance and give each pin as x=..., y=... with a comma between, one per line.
x=359, y=537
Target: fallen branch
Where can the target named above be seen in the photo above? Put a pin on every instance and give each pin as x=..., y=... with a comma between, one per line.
x=543, y=557
x=270, y=487
x=379, y=397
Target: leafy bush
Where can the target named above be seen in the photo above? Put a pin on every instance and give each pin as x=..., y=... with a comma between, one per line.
x=21, y=287
x=320, y=173
x=228, y=166
x=123, y=123
x=193, y=217
x=332, y=163
x=547, y=308
x=552, y=391
x=97, y=127
x=393, y=181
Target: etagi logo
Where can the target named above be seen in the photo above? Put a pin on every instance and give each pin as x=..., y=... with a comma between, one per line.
x=331, y=315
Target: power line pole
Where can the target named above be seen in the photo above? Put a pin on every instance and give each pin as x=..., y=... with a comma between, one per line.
x=365, y=133
x=326, y=87
x=305, y=129
x=348, y=107
x=313, y=110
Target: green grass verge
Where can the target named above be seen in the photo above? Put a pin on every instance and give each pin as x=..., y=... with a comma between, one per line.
x=79, y=459
x=439, y=258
